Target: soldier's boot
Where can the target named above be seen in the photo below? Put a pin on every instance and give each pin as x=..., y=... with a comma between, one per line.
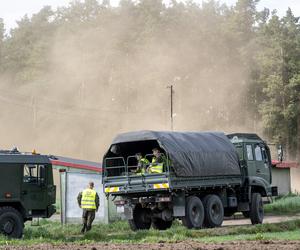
x=88, y=228
x=84, y=228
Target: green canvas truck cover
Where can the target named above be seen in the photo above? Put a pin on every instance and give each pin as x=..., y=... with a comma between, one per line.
x=193, y=154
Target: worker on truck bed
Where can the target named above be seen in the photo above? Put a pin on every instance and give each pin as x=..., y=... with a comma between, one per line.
x=143, y=163
x=88, y=200
x=158, y=162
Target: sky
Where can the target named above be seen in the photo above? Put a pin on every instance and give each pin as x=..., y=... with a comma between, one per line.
x=13, y=10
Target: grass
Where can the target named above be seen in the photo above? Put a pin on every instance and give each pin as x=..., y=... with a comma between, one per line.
x=289, y=204
x=119, y=232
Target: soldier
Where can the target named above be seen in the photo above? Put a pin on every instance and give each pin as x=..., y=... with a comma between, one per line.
x=88, y=200
x=158, y=162
x=143, y=163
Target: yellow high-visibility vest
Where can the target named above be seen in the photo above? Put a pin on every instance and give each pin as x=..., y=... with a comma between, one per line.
x=157, y=167
x=88, y=200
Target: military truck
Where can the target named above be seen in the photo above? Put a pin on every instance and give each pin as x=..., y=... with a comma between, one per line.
x=27, y=190
x=207, y=175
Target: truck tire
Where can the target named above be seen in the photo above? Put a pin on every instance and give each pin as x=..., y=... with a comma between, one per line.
x=161, y=224
x=141, y=218
x=256, y=209
x=194, y=213
x=214, y=211
x=11, y=222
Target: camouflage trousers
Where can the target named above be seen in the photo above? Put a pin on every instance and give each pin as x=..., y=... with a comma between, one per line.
x=88, y=217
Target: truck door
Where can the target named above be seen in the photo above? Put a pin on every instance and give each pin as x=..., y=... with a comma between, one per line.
x=262, y=163
x=251, y=167
x=34, y=190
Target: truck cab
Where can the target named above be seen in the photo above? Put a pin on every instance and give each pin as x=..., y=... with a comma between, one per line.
x=255, y=160
x=27, y=190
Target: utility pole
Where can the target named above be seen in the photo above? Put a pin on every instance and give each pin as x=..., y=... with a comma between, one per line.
x=171, y=104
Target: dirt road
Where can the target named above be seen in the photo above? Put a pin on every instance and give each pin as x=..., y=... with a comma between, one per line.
x=240, y=220
x=186, y=245
x=236, y=220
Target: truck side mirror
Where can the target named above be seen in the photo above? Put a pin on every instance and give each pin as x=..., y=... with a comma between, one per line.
x=280, y=153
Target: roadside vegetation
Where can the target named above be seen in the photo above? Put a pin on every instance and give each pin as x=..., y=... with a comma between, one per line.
x=289, y=204
x=119, y=232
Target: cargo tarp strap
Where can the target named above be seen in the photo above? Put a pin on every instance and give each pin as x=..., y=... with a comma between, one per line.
x=88, y=200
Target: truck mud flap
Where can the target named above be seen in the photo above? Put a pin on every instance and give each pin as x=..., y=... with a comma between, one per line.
x=179, y=205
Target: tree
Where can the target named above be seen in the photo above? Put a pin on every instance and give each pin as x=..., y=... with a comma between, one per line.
x=27, y=46
x=279, y=63
x=232, y=67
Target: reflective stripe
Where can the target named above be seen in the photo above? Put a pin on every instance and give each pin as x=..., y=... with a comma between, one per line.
x=88, y=200
x=111, y=189
x=161, y=185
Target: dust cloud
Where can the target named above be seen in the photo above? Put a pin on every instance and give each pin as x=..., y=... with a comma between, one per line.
x=106, y=79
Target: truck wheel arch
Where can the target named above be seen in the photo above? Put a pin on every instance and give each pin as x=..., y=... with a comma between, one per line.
x=258, y=189
x=16, y=205
x=257, y=185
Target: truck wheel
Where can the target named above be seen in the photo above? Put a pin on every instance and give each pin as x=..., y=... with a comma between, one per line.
x=246, y=214
x=11, y=222
x=214, y=211
x=161, y=224
x=141, y=218
x=256, y=209
x=194, y=213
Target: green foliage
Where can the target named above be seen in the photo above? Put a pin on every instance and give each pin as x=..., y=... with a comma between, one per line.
x=284, y=205
x=119, y=232
x=214, y=50
x=279, y=78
